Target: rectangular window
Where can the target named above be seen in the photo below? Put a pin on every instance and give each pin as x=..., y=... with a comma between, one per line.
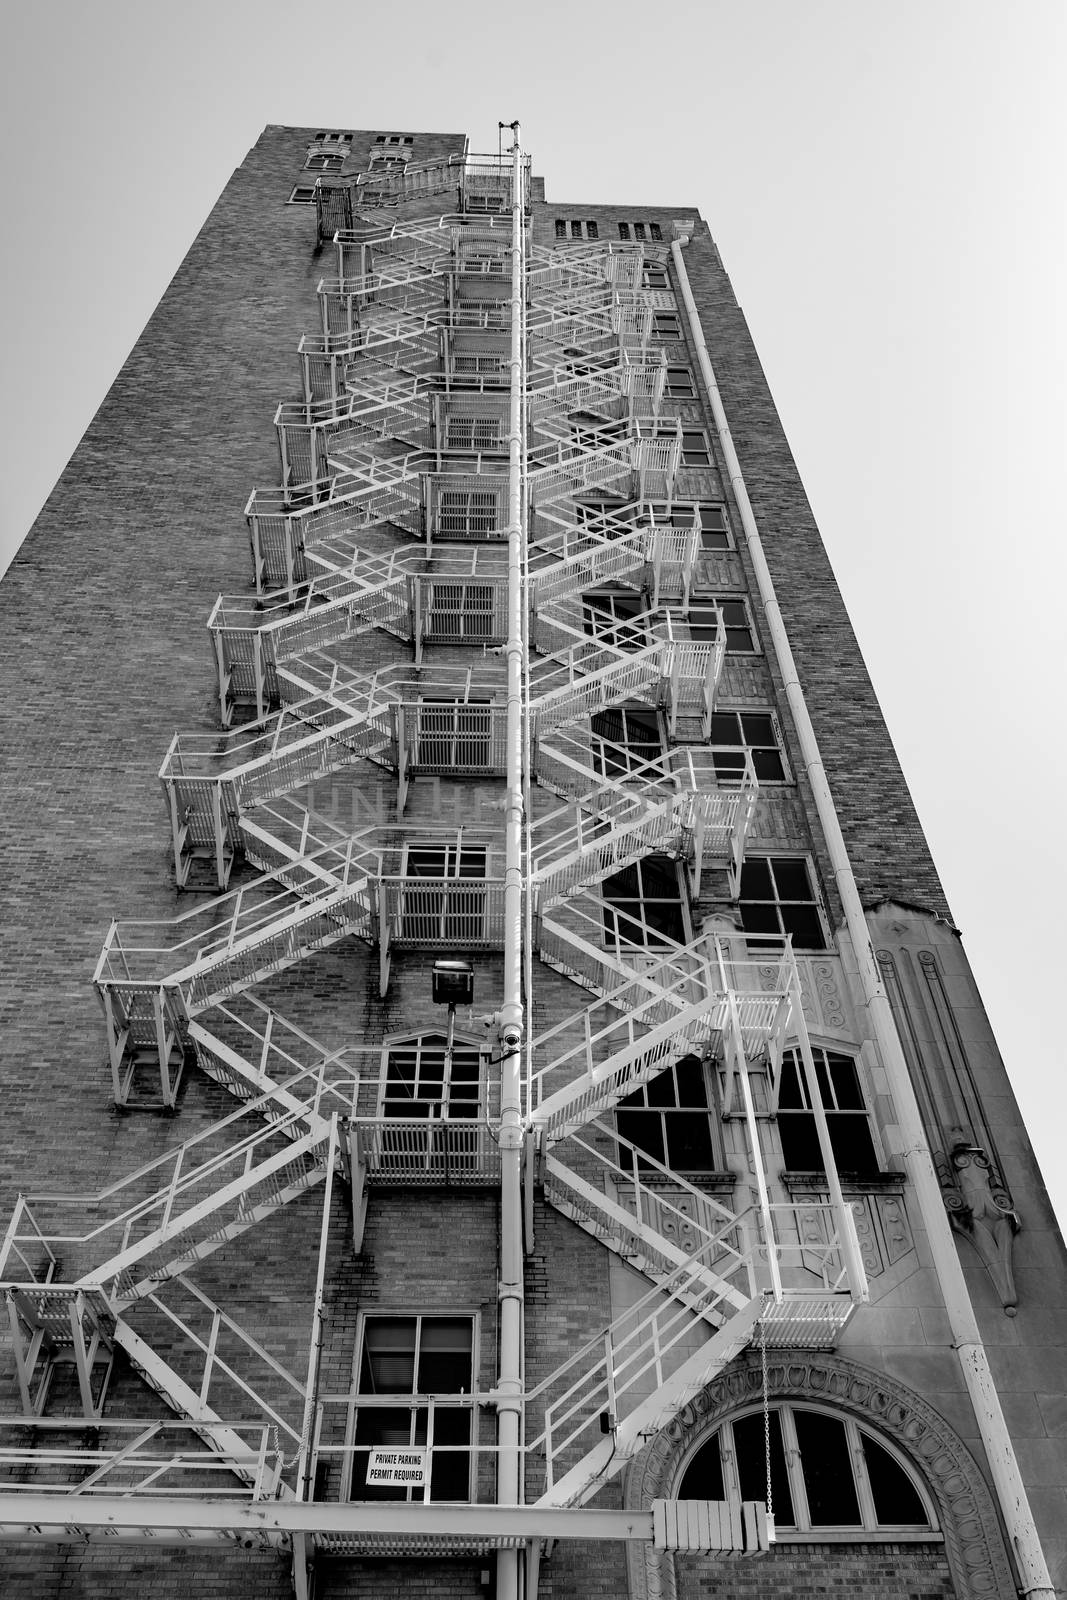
x=450, y=908
x=576, y=230
x=710, y=519
x=624, y=230
x=466, y=513
x=695, y=450
x=561, y=228
x=460, y=610
x=453, y=736
x=665, y=325
x=643, y=905
x=592, y=231
x=734, y=733
x=639, y=230
x=714, y=528
x=302, y=195
x=431, y=1357
x=476, y=434
x=680, y=386
x=777, y=901
x=654, y=278
x=669, y=1120
x=611, y=615
x=332, y=137
x=655, y=232
x=847, y=1117
x=740, y=634
x=624, y=738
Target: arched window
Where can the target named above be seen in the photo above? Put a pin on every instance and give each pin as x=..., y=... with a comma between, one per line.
x=826, y=1473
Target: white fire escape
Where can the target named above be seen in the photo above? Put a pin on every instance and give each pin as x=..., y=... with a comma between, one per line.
x=392, y=516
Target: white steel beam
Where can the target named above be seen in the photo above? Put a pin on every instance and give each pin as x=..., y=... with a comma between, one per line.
x=70, y=1517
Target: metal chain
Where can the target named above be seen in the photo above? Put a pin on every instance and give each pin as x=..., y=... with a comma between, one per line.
x=766, y=1412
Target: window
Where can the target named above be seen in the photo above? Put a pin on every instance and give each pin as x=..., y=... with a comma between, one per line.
x=733, y=733
x=680, y=386
x=714, y=528
x=395, y=139
x=561, y=228
x=576, y=230
x=639, y=230
x=643, y=905
x=334, y=138
x=432, y=1357
x=321, y=161
x=624, y=738
x=460, y=611
x=740, y=634
x=847, y=1117
x=826, y=1472
x=710, y=519
x=474, y=434
x=612, y=615
x=655, y=232
x=695, y=452
x=777, y=899
x=654, y=278
x=302, y=195
x=453, y=736
x=450, y=908
x=624, y=230
x=466, y=513
x=668, y=1119
x=592, y=231
x=421, y=1081
x=665, y=325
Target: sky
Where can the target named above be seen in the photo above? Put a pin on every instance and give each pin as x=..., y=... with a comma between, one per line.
x=886, y=186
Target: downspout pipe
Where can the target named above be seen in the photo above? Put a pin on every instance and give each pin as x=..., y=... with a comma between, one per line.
x=510, y=1016
x=966, y=1335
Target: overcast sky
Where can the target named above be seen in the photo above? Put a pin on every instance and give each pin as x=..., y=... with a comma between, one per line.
x=886, y=184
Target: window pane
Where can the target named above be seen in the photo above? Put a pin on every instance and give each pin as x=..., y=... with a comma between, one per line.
x=792, y=879
x=756, y=880
x=725, y=728
x=388, y=1365
x=752, y=1467
x=450, y=1469
x=644, y=1130
x=851, y=1142
x=758, y=728
x=800, y=1142
x=703, y=1478
x=804, y=924
x=848, y=1095
x=827, y=1468
x=445, y=1356
x=896, y=1500
x=692, y=1089
x=689, y=1146
x=768, y=766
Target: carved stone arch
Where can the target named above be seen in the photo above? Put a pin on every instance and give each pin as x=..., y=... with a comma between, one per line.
x=974, y=1546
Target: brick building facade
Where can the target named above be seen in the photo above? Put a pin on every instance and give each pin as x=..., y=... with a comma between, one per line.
x=269, y=1192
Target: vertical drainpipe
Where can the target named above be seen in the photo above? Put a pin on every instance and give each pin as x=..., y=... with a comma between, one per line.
x=510, y=1016
x=966, y=1335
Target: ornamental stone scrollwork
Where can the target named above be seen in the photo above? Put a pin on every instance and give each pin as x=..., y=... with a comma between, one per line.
x=820, y=991
x=973, y=1545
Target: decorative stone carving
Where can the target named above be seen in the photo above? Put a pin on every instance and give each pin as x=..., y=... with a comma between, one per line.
x=980, y=1208
x=965, y=1509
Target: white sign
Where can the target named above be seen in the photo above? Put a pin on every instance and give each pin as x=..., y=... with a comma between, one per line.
x=407, y=1467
